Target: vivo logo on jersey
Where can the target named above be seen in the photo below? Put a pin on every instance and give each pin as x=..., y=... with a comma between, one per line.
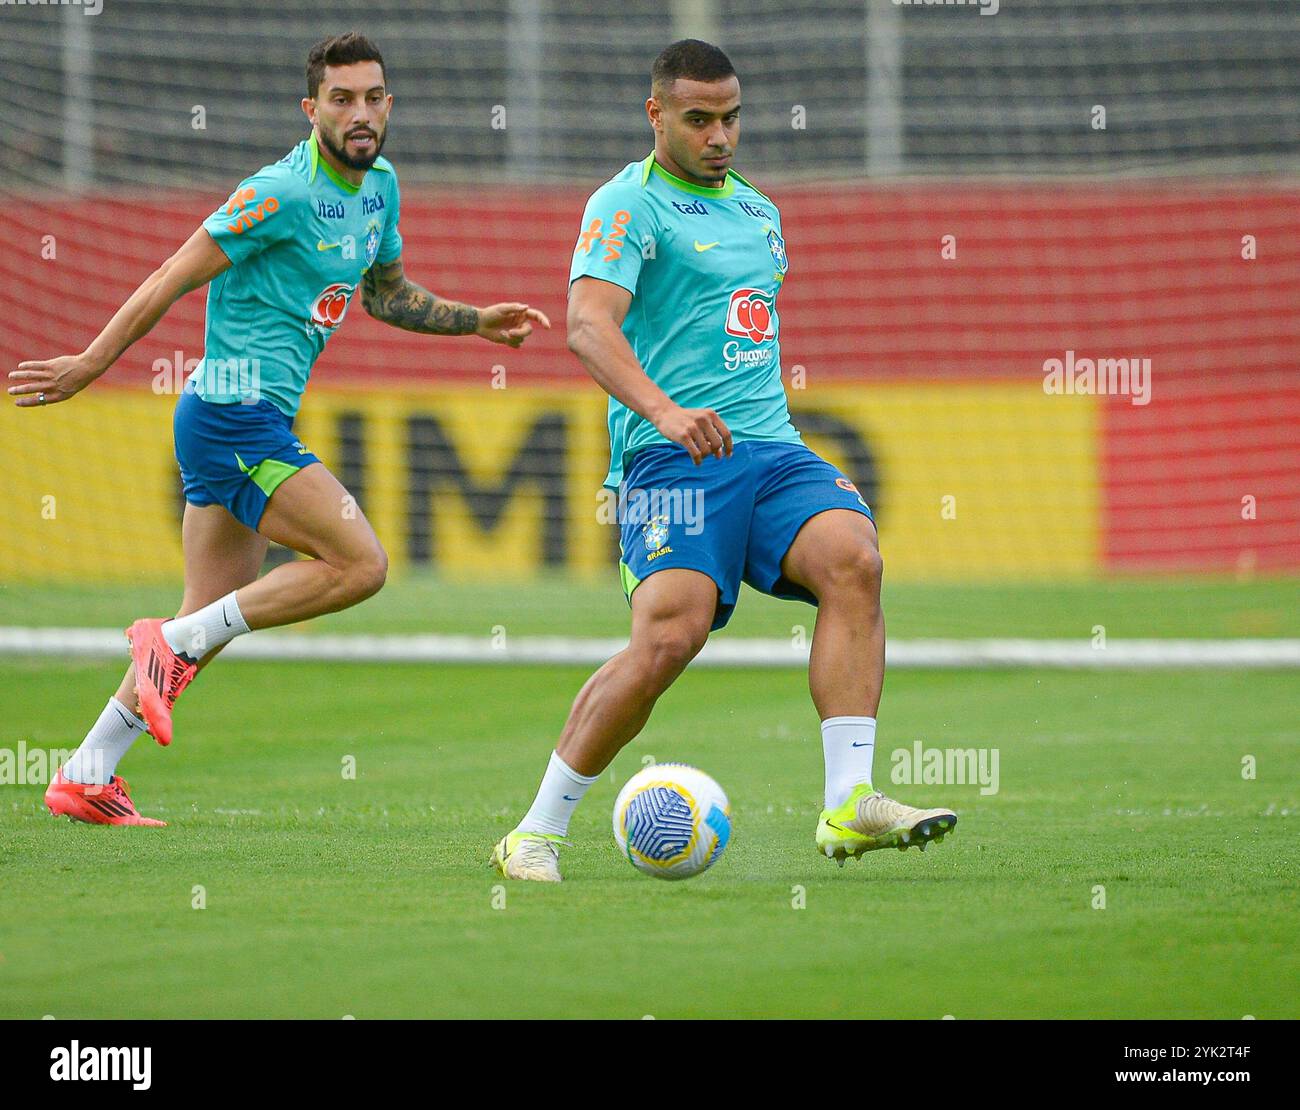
x=696, y=209
x=613, y=242
x=371, y=205
x=752, y=315
x=329, y=308
x=239, y=201
x=328, y=210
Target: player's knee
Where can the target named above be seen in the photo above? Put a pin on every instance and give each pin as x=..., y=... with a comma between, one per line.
x=668, y=647
x=366, y=576
x=859, y=569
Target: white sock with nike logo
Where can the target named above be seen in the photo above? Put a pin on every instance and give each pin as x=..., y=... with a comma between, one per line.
x=105, y=744
x=210, y=627
x=848, y=743
x=561, y=790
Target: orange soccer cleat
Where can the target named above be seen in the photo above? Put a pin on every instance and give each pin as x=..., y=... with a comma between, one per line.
x=160, y=676
x=96, y=805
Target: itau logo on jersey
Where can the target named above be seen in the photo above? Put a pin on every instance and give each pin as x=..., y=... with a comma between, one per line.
x=752, y=315
x=329, y=308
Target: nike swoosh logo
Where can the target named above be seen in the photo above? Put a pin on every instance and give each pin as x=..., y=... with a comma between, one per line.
x=855, y=744
x=129, y=724
x=321, y=245
x=568, y=799
x=224, y=617
x=702, y=247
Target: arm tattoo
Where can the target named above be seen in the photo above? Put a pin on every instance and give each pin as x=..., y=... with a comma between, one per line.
x=389, y=295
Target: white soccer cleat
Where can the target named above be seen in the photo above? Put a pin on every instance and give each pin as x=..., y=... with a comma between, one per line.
x=527, y=855
x=868, y=821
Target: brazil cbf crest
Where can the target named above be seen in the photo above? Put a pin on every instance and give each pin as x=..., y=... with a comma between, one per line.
x=655, y=532
x=777, y=246
x=372, y=242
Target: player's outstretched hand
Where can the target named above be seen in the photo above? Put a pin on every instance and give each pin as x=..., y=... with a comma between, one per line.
x=49, y=381
x=510, y=324
x=701, y=431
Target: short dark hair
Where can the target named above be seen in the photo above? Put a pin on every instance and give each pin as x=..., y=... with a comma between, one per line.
x=692, y=59
x=340, y=50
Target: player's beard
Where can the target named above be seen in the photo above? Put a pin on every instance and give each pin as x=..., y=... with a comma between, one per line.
x=340, y=152
x=695, y=164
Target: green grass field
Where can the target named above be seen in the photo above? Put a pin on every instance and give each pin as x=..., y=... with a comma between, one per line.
x=327, y=896
x=1139, y=607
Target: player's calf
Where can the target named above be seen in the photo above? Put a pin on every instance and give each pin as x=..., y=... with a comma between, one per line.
x=671, y=614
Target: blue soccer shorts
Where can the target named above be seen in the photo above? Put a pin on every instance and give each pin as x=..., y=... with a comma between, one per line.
x=733, y=519
x=235, y=455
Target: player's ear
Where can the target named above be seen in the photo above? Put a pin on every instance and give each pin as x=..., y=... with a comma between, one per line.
x=653, y=112
x=309, y=108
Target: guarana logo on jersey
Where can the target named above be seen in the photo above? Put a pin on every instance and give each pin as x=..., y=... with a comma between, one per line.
x=329, y=308
x=752, y=315
x=240, y=200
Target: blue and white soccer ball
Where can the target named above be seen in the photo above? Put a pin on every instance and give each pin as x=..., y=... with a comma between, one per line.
x=672, y=821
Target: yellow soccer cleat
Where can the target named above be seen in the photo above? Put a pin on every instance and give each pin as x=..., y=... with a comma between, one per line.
x=528, y=855
x=869, y=820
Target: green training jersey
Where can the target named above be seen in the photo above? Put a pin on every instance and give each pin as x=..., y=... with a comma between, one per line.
x=704, y=267
x=299, y=237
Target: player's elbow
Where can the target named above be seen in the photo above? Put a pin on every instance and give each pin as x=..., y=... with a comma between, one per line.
x=575, y=333
x=583, y=333
x=168, y=275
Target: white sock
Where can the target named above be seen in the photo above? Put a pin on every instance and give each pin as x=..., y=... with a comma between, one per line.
x=848, y=744
x=106, y=743
x=561, y=790
x=210, y=627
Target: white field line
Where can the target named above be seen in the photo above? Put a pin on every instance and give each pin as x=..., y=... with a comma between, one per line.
x=722, y=652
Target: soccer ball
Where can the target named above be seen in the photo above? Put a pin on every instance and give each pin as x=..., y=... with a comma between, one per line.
x=672, y=821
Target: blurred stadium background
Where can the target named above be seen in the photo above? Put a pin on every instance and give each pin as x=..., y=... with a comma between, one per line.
x=914, y=360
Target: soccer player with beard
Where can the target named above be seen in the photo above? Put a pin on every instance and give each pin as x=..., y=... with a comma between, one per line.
x=672, y=309
x=284, y=256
